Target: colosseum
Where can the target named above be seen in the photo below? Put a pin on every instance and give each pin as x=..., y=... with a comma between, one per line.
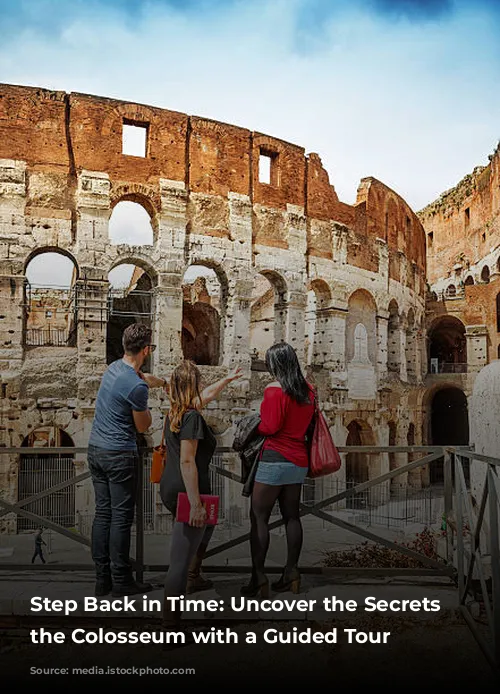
x=242, y=242
x=463, y=306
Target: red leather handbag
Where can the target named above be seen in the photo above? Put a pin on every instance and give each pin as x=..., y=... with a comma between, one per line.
x=158, y=459
x=324, y=457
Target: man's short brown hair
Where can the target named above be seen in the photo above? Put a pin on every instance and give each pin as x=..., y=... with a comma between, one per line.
x=136, y=337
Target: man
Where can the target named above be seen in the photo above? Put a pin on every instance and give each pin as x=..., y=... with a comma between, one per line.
x=121, y=412
x=38, y=546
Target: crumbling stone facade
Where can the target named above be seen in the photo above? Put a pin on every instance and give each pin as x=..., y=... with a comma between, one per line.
x=463, y=255
x=62, y=172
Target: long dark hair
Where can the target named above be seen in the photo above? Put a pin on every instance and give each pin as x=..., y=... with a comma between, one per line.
x=283, y=364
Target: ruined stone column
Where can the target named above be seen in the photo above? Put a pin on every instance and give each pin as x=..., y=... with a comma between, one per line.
x=167, y=324
x=403, y=369
x=173, y=218
x=420, y=368
x=477, y=347
x=382, y=336
x=295, y=329
x=237, y=329
x=12, y=226
x=168, y=295
x=335, y=336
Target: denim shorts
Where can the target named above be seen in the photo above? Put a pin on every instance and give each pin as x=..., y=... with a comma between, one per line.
x=277, y=474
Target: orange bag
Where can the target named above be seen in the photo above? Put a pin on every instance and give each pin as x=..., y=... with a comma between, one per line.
x=159, y=458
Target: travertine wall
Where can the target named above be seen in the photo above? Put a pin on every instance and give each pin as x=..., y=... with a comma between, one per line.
x=62, y=171
x=463, y=258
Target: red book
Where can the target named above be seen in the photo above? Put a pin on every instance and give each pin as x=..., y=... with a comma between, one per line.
x=211, y=504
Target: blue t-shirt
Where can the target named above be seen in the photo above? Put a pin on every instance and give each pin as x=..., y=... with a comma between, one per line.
x=121, y=392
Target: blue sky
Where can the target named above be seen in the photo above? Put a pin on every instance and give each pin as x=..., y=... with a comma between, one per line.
x=406, y=91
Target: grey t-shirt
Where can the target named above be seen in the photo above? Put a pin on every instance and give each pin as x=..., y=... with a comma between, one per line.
x=121, y=392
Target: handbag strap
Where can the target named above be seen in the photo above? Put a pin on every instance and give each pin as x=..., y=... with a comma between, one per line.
x=163, y=431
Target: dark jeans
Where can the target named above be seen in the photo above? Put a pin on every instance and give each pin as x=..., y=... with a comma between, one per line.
x=38, y=553
x=114, y=475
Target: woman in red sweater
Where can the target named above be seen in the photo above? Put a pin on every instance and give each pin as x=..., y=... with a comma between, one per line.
x=286, y=413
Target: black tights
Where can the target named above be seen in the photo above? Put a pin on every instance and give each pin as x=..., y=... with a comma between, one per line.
x=264, y=497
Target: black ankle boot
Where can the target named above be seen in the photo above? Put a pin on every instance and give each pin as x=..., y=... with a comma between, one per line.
x=290, y=580
x=259, y=585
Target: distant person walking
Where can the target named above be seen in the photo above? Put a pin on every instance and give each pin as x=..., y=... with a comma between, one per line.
x=38, y=546
x=121, y=412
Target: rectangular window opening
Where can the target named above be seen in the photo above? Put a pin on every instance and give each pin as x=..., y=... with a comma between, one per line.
x=268, y=168
x=134, y=138
x=264, y=168
x=467, y=216
x=430, y=237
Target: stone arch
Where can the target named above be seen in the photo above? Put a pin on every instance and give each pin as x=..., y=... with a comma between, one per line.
x=130, y=300
x=49, y=316
x=448, y=422
x=268, y=314
x=40, y=470
x=52, y=249
x=204, y=312
x=361, y=309
x=144, y=195
x=144, y=226
x=447, y=345
x=359, y=433
x=485, y=274
x=317, y=323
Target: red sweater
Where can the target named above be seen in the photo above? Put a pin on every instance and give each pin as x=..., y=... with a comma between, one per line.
x=284, y=422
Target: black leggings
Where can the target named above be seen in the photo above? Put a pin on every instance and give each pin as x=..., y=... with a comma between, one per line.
x=264, y=496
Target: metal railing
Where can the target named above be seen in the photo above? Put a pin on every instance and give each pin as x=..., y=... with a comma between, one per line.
x=49, y=337
x=472, y=544
x=449, y=368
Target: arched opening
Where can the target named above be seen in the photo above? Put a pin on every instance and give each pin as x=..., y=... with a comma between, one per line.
x=469, y=281
x=451, y=291
x=449, y=426
x=39, y=471
x=203, y=311
x=130, y=223
x=447, y=346
x=130, y=301
x=393, y=339
x=361, y=309
x=358, y=464
x=49, y=300
x=318, y=343
x=485, y=274
x=267, y=316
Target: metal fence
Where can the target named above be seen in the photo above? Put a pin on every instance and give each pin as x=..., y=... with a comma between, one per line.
x=472, y=544
x=49, y=337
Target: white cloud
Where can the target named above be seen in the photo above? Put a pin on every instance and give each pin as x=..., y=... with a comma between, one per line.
x=415, y=105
